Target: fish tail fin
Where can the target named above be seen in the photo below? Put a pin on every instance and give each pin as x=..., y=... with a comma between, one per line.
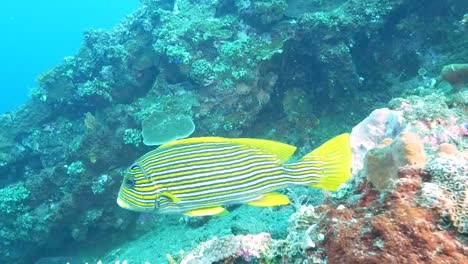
x=327, y=167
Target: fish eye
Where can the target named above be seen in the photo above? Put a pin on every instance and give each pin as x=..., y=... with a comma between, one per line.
x=134, y=167
x=130, y=182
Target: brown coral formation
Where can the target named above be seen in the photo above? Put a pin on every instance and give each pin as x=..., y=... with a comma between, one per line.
x=393, y=230
x=382, y=163
x=455, y=74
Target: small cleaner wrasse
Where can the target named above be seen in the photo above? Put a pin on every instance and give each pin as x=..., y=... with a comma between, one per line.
x=198, y=176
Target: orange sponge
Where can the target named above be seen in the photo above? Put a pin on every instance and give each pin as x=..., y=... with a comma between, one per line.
x=382, y=163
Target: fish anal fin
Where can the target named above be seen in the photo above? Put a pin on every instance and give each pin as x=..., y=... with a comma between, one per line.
x=218, y=211
x=270, y=199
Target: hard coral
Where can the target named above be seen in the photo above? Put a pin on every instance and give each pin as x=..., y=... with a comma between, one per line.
x=448, y=191
x=393, y=230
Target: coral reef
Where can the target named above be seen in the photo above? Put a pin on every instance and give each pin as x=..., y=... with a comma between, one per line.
x=392, y=229
x=295, y=71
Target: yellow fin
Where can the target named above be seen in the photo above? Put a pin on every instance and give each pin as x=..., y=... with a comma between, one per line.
x=170, y=196
x=330, y=164
x=218, y=211
x=270, y=199
x=282, y=151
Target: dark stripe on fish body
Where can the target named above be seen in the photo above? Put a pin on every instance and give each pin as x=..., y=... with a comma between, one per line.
x=194, y=193
x=228, y=179
x=203, y=160
x=138, y=201
x=178, y=149
x=157, y=158
x=234, y=185
x=243, y=196
x=210, y=177
x=161, y=171
x=209, y=165
x=233, y=189
x=232, y=157
x=259, y=181
x=214, y=173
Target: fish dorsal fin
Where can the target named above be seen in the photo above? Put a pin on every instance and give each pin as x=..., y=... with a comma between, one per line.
x=218, y=211
x=281, y=150
x=270, y=199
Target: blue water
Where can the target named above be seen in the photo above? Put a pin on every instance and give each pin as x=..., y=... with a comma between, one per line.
x=36, y=35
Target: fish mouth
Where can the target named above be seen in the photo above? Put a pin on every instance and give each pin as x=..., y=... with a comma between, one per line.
x=122, y=203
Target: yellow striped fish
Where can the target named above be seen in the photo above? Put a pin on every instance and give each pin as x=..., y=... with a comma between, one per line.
x=198, y=176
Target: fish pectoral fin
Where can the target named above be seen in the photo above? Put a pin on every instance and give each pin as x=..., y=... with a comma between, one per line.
x=270, y=199
x=218, y=211
x=169, y=196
